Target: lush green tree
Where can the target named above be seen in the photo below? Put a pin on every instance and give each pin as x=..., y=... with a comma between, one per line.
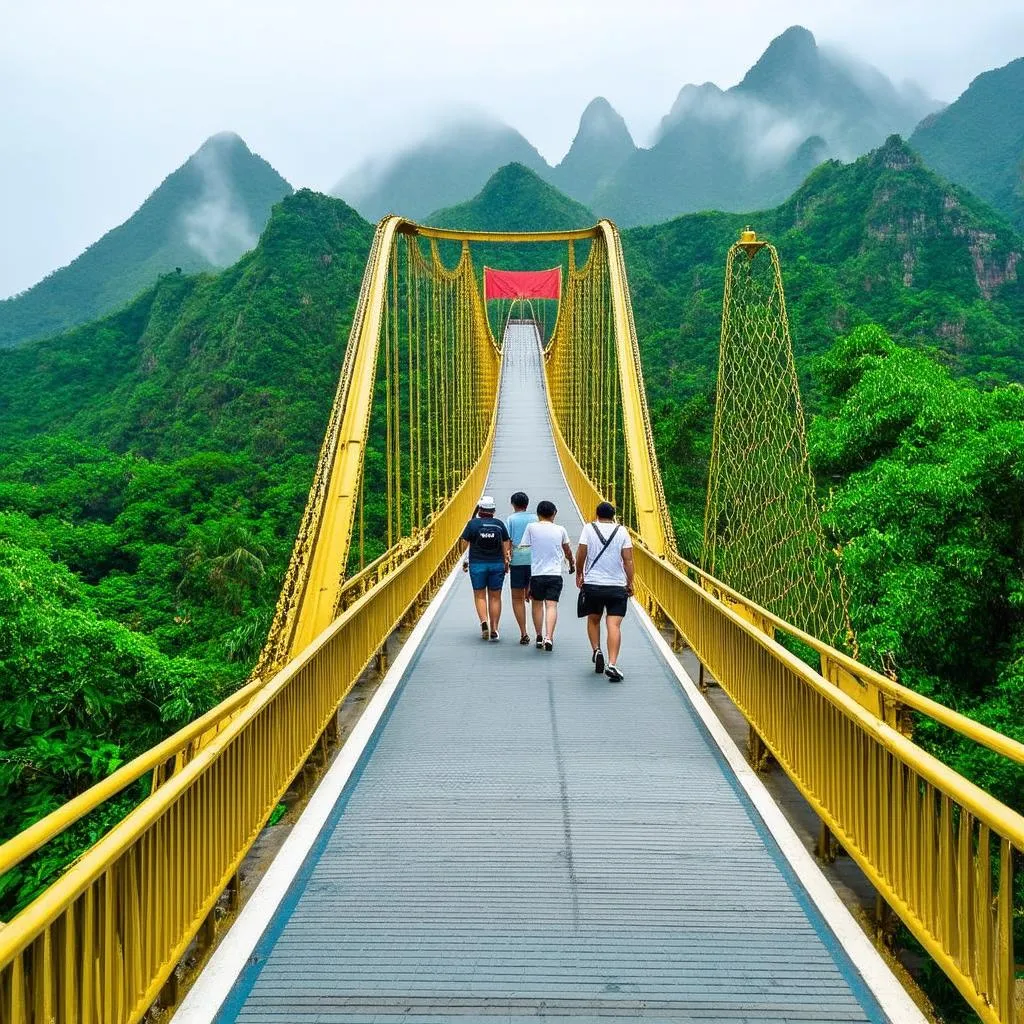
x=79, y=694
x=153, y=469
x=926, y=501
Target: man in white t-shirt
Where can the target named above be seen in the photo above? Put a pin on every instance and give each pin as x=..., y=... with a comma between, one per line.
x=548, y=544
x=604, y=570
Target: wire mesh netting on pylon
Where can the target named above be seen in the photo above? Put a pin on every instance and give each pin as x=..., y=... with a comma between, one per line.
x=762, y=524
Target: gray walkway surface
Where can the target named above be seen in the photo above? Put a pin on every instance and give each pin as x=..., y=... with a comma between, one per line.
x=525, y=839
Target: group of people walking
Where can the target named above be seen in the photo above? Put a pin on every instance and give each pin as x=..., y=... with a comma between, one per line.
x=531, y=548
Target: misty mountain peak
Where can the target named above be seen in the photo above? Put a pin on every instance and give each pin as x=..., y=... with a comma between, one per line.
x=204, y=214
x=977, y=141
x=220, y=147
x=790, y=57
x=515, y=198
x=452, y=161
x=690, y=98
x=224, y=139
x=601, y=146
x=795, y=43
x=512, y=176
x=601, y=120
x=895, y=155
x=824, y=90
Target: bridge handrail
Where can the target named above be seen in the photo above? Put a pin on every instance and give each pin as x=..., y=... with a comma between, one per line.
x=588, y=496
x=185, y=741
x=981, y=734
x=458, y=235
x=873, y=788
x=337, y=471
x=930, y=841
x=655, y=523
x=209, y=813
x=656, y=530
x=973, y=798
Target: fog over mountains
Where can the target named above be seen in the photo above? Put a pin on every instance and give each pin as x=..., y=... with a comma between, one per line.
x=601, y=146
x=445, y=169
x=750, y=146
x=745, y=148
x=734, y=149
x=203, y=216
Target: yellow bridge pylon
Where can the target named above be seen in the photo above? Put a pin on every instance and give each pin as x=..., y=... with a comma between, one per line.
x=762, y=521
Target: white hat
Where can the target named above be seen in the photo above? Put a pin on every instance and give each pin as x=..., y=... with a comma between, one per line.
x=487, y=503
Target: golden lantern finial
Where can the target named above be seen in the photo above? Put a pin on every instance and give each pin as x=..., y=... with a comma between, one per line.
x=749, y=243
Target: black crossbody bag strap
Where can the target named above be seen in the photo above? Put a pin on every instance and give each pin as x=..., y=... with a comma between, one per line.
x=611, y=537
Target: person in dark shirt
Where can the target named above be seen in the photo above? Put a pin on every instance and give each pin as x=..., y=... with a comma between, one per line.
x=487, y=552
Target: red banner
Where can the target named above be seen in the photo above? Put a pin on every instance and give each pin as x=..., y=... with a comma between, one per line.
x=523, y=284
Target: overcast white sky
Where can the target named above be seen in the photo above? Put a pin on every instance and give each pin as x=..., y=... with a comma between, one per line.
x=101, y=99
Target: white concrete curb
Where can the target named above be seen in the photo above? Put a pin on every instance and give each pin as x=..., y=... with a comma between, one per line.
x=213, y=985
x=884, y=985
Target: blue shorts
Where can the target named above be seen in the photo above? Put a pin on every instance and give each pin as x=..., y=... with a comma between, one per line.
x=519, y=577
x=487, y=575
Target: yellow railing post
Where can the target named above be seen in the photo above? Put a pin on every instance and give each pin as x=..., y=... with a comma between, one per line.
x=653, y=523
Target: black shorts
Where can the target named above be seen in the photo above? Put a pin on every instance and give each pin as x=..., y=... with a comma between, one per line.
x=519, y=577
x=546, y=588
x=599, y=598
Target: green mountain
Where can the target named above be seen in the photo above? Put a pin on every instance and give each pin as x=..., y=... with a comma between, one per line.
x=203, y=216
x=153, y=468
x=446, y=168
x=229, y=377
x=601, y=146
x=515, y=198
x=880, y=240
x=978, y=141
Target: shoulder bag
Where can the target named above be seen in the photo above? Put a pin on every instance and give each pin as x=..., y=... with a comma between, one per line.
x=581, y=597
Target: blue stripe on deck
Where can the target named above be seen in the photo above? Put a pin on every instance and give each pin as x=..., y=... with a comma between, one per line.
x=524, y=839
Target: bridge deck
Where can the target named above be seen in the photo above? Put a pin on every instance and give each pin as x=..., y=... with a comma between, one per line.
x=523, y=838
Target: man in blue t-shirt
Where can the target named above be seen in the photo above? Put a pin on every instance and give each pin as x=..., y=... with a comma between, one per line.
x=519, y=573
x=487, y=552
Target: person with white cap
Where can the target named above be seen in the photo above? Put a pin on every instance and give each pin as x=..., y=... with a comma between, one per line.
x=487, y=552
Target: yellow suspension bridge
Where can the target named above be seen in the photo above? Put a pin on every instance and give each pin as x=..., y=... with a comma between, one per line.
x=504, y=835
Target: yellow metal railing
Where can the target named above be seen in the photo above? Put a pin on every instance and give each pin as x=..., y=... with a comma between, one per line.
x=335, y=464
x=100, y=943
x=98, y=946
x=172, y=754
x=596, y=387
x=310, y=596
x=883, y=697
x=938, y=849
